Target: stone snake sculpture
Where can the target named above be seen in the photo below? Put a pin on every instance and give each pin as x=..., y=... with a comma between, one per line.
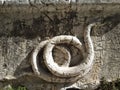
x=66, y=73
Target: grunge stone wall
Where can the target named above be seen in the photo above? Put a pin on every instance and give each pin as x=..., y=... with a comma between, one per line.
x=56, y=1
x=23, y=27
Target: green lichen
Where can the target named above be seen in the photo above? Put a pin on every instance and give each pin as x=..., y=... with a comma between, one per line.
x=9, y=87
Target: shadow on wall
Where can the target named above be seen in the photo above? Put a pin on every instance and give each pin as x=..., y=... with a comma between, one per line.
x=107, y=24
x=44, y=25
x=24, y=67
x=57, y=23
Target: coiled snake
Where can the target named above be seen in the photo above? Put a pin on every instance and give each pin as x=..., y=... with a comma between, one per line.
x=58, y=73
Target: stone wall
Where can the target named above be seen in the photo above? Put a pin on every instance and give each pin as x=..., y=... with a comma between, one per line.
x=23, y=27
x=55, y=1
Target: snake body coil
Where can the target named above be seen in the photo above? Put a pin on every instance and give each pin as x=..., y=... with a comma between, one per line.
x=66, y=73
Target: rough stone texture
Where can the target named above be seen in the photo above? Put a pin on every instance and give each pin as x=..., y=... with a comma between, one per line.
x=55, y=1
x=23, y=27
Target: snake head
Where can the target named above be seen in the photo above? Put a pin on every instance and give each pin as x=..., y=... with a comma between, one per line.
x=94, y=25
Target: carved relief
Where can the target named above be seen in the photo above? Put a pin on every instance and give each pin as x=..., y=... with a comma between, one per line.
x=60, y=69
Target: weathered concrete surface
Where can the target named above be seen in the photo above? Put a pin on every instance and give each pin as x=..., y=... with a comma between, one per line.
x=23, y=27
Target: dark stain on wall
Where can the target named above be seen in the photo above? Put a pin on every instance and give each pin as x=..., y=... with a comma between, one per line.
x=46, y=25
x=51, y=23
x=106, y=24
